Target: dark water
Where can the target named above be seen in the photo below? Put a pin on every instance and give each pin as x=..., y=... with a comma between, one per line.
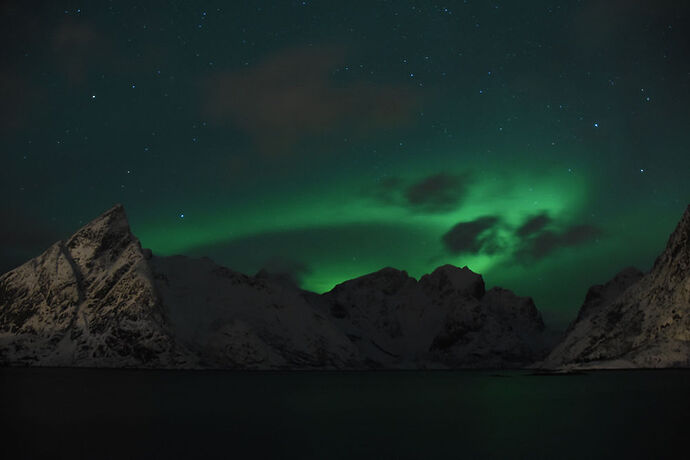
x=60, y=413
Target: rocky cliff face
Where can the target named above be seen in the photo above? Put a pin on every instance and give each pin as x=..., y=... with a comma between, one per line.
x=98, y=299
x=635, y=320
x=87, y=301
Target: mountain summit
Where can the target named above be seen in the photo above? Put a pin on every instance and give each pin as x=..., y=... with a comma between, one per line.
x=87, y=301
x=636, y=319
x=99, y=299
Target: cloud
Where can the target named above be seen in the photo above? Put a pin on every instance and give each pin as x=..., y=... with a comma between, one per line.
x=439, y=192
x=291, y=269
x=388, y=190
x=618, y=22
x=538, y=241
x=324, y=251
x=472, y=237
x=534, y=225
x=76, y=46
x=436, y=193
x=579, y=234
x=292, y=95
x=18, y=98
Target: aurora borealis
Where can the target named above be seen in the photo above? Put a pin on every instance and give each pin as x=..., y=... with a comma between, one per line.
x=542, y=144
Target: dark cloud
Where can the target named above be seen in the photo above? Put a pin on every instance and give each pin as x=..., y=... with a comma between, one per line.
x=473, y=236
x=293, y=95
x=302, y=252
x=534, y=225
x=387, y=190
x=545, y=242
x=616, y=22
x=578, y=234
x=76, y=45
x=18, y=97
x=290, y=269
x=436, y=193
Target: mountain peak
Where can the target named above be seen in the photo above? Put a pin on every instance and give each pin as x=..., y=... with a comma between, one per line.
x=683, y=227
x=113, y=217
x=112, y=220
x=461, y=279
x=390, y=272
x=388, y=279
x=108, y=234
x=677, y=252
x=448, y=268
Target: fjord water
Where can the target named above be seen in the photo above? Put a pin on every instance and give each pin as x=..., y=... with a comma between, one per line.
x=95, y=413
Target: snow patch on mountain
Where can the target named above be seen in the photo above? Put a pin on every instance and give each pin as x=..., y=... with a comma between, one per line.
x=635, y=320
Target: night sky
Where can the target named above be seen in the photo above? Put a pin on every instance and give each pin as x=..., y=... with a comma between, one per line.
x=543, y=144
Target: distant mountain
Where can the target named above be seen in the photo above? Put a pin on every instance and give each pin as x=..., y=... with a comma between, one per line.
x=445, y=319
x=635, y=320
x=231, y=320
x=99, y=300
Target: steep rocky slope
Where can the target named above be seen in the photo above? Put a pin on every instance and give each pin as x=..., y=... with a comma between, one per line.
x=635, y=320
x=87, y=301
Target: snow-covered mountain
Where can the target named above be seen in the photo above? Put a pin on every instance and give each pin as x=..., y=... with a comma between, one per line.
x=98, y=299
x=237, y=321
x=87, y=301
x=446, y=319
x=635, y=320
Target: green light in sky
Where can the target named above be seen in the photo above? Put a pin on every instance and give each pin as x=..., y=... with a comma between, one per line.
x=510, y=196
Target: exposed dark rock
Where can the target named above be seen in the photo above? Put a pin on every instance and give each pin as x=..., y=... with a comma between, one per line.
x=636, y=319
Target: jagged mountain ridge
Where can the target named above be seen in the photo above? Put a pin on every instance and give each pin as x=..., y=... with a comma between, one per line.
x=100, y=300
x=446, y=317
x=635, y=320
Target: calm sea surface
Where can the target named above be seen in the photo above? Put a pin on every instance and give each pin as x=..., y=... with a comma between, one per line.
x=94, y=414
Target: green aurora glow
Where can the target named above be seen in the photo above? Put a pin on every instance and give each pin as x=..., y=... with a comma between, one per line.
x=542, y=144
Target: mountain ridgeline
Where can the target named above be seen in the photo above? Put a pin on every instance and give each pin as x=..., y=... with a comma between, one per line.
x=100, y=300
